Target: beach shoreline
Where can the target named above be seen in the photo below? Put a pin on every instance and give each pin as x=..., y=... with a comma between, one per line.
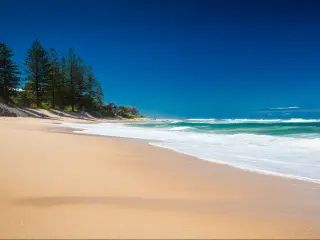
x=66, y=185
x=176, y=136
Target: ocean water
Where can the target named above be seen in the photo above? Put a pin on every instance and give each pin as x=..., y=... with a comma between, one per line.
x=284, y=147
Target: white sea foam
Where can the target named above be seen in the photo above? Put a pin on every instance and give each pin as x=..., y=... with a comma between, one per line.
x=178, y=128
x=202, y=119
x=285, y=156
x=244, y=120
x=175, y=121
x=297, y=120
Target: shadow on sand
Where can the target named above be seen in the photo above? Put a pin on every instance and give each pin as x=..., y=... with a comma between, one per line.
x=179, y=204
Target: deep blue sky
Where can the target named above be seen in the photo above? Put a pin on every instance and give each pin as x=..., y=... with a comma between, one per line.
x=183, y=58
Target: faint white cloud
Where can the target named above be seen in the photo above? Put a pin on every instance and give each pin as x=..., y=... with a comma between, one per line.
x=285, y=108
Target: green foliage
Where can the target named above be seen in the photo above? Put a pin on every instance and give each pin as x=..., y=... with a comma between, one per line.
x=131, y=116
x=25, y=98
x=61, y=85
x=37, y=69
x=68, y=108
x=110, y=108
x=52, y=81
x=53, y=78
x=9, y=74
x=45, y=106
x=15, y=100
x=101, y=114
x=128, y=112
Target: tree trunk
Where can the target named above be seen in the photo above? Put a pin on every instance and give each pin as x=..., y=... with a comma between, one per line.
x=37, y=92
x=5, y=84
x=37, y=85
x=71, y=85
x=6, y=95
x=53, y=100
x=61, y=99
x=53, y=96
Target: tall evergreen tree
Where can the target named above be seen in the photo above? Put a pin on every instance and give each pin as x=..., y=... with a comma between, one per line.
x=98, y=94
x=90, y=89
x=62, y=84
x=72, y=71
x=76, y=81
x=9, y=74
x=37, y=70
x=80, y=82
x=58, y=81
x=54, y=76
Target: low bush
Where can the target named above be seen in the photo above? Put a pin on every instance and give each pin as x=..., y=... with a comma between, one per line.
x=45, y=106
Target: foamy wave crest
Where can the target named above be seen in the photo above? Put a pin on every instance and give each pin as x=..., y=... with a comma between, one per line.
x=297, y=120
x=176, y=121
x=179, y=128
x=284, y=156
x=251, y=120
x=240, y=120
x=201, y=119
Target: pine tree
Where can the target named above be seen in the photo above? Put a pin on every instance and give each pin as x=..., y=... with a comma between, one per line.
x=62, y=85
x=70, y=85
x=9, y=74
x=54, y=76
x=59, y=81
x=98, y=94
x=37, y=70
x=80, y=82
x=90, y=89
x=76, y=81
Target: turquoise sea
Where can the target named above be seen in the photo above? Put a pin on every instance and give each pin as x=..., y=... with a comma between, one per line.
x=283, y=147
x=275, y=127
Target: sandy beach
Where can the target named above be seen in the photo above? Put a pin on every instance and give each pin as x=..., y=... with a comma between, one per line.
x=56, y=184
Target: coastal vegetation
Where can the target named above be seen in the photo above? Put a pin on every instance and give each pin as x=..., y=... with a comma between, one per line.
x=51, y=81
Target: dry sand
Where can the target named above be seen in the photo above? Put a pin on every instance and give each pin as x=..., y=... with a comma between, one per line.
x=62, y=185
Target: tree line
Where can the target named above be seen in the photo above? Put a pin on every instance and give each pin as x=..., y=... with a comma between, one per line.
x=53, y=81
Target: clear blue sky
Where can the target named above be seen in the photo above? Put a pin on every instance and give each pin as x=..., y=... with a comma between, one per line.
x=183, y=58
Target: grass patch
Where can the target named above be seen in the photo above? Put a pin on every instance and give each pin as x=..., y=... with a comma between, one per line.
x=69, y=109
x=45, y=106
x=15, y=100
x=33, y=105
